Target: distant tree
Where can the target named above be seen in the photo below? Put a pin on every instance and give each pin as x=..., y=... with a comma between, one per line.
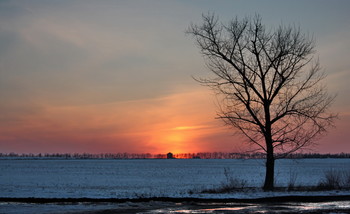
x=268, y=84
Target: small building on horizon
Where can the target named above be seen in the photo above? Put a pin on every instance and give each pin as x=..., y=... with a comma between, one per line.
x=170, y=156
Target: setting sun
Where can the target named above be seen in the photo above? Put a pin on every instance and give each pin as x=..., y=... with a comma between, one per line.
x=176, y=137
x=174, y=140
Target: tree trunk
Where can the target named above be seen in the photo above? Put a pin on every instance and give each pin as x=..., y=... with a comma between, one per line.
x=270, y=158
x=270, y=172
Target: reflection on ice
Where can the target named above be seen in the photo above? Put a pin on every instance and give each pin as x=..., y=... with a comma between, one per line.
x=325, y=205
x=292, y=207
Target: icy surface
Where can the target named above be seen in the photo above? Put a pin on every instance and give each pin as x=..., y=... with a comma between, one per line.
x=152, y=177
x=170, y=207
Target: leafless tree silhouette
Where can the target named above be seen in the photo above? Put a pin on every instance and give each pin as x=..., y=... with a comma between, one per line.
x=268, y=84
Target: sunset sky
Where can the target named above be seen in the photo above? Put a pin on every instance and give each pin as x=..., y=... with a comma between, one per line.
x=116, y=76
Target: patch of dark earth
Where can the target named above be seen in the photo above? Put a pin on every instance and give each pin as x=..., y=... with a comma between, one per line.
x=290, y=204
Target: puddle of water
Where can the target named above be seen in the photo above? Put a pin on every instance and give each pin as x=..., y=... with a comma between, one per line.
x=208, y=208
x=195, y=209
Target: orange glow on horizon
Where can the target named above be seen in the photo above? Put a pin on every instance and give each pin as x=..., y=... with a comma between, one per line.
x=176, y=137
x=173, y=140
x=177, y=123
x=187, y=127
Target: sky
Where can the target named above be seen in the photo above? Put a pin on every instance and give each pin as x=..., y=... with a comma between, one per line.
x=116, y=76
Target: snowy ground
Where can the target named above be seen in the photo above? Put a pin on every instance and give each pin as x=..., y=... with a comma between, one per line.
x=153, y=178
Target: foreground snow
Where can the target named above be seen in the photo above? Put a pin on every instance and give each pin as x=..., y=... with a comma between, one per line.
x=154, y=178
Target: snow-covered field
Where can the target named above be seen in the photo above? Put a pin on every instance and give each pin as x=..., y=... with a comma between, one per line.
x=149, y=177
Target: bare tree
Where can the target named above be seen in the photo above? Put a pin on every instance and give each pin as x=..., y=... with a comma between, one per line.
x=269, y=85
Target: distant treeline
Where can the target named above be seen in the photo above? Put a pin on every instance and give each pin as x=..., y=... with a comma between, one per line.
x=200, y=155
